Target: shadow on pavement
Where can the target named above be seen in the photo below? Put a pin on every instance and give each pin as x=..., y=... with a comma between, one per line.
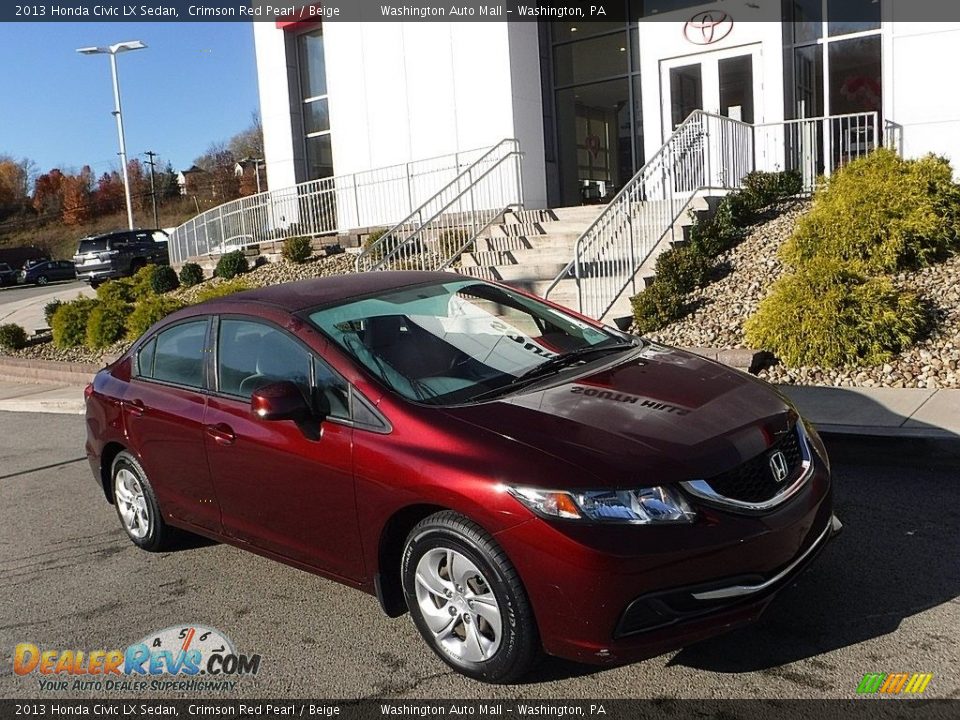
x=900, y=505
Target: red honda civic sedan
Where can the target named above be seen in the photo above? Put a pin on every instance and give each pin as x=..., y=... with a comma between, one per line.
x=520, y=478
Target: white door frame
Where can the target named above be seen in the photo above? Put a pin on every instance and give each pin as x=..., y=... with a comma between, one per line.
x=710, y=80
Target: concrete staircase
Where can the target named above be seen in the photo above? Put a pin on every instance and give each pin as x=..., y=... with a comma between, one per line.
x=531, y=247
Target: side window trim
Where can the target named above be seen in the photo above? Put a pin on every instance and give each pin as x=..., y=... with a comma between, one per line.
x=205, y=389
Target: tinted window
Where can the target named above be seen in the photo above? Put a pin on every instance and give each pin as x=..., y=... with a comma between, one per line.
x=92, y=245
x=179, y=354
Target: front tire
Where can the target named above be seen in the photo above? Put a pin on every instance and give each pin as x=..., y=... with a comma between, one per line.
x=42, y=280
x=467, y=599
x=137, y=506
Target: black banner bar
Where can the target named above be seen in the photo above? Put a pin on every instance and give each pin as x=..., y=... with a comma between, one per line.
x=579, y=11
x=857, y=709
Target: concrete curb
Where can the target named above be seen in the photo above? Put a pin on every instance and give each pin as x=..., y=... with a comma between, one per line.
x=47, y=371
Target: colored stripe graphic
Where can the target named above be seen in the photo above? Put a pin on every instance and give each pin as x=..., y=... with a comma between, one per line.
x=894, y=683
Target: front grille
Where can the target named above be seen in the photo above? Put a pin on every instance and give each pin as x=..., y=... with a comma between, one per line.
x=753, y=481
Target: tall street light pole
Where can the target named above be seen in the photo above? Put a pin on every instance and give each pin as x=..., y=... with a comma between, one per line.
x=113, y=51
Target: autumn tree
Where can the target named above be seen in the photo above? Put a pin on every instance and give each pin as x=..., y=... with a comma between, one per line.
x=109, y=193
x=14, y=184
x=221, y=182
x=77, y=192
x=48, y=193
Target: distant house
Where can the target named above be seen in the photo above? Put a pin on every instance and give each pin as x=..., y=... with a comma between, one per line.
x=251, y=175
x=190, y=180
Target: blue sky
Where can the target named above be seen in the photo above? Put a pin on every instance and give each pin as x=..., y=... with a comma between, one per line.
x=195, y=84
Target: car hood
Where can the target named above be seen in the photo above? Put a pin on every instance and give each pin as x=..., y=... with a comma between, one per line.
x=653, y=416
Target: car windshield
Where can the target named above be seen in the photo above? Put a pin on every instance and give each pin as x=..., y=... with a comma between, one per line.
x=461, y=341
x=92, y=245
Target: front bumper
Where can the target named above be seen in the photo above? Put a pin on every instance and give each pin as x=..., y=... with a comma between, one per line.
x=623, y=593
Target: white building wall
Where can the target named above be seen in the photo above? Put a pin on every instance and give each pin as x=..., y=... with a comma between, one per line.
x=276, y=105
x=919, y=91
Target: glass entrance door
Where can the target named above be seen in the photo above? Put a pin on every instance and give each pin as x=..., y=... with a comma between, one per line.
x=722, y=82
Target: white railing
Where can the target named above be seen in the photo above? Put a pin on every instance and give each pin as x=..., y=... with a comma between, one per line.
x=817, y=147
x=319, y=207
x=705, y=151
x=435, y=234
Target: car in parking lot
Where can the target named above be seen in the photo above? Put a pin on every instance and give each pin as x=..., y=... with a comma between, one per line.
x=516, y=476
x=48, y=271
x=119, y=254
x=8, y=276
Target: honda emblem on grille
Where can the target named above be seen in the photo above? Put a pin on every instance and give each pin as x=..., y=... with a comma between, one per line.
x=779, y=467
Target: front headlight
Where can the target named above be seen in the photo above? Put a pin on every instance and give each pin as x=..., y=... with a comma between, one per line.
x=644, y=506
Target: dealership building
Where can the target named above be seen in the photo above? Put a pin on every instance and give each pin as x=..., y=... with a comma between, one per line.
x=591, y=101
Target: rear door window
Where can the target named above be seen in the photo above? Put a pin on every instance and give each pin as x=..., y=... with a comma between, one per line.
x=179, y=354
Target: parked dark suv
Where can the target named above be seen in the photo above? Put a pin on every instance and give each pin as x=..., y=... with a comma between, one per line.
x=118, y=254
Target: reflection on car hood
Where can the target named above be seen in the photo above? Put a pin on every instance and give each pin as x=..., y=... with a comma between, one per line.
x=654, y=416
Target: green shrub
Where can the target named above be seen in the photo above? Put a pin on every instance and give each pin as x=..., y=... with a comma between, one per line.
x=69, y=322
x=450, y=241
x=826, y=314
x=106, y=324
x=221, y=289
x=684, y=268
x=149, y=311
x=50, y=309
x=881, y=213
x=141, y=284
x=164, y=279
x=191, y=274
x=656, y=307
x=116, y=291
x=765, y=188
x=231, y=264
x=379, y=252
x=12, y=336
x=297, y=249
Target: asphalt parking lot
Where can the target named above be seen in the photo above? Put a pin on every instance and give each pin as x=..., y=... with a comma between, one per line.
x=885, y=597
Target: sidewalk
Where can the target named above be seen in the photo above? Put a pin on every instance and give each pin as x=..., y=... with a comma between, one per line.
x=878, y=412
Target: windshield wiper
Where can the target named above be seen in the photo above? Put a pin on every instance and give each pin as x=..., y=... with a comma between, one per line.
x=553, y=365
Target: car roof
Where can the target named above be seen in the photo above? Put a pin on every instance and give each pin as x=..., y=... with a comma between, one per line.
x=305, y=294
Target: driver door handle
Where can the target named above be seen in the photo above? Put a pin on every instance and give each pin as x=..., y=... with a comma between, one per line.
x=221, y=433
x=134, y=407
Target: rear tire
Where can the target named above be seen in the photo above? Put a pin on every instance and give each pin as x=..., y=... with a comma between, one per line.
x=467, y=600
x=42, y=280
x=136, y=505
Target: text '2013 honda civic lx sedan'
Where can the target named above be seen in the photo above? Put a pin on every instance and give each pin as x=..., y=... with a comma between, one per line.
x=518, y=477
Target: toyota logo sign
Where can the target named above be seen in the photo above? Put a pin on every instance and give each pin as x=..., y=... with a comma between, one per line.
x=706, y=28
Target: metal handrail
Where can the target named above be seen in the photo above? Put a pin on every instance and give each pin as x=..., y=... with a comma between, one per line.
x=403, y=245
x=317, y=207
x=706, y=152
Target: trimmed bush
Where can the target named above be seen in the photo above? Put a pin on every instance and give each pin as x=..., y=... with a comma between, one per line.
x=221, y=289
x=12, y=337
x=769, y=187
x=380, y=252
x=829, y=315
x=881, y=213
x=656, y=307
x=191, y=274
x=141, y=283
x=69, y=322
x=297, y=249
x=684, y=268
x=106, y=324
x=117, y=292
x=50, y=309
x=231, y=264
x=149, y=311
x=450, y=241
x=164, y=279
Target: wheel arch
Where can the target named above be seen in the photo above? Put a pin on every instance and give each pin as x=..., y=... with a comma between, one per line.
x=107, y=456
x=386, y=579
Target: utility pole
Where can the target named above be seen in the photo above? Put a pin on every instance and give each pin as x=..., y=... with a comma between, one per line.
x=153, y=187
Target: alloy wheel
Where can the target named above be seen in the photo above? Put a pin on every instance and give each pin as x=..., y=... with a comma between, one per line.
x=132, y=504
x=458, y=605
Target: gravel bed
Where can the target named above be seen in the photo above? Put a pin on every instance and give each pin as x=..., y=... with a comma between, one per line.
x=722, y=307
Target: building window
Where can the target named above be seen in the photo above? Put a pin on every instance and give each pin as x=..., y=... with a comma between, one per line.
x=835, y=49
x=311, y=62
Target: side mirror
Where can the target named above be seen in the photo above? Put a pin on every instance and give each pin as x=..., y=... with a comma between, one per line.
x=280, y=401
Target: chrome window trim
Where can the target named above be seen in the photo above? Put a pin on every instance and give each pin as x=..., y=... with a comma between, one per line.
x=734, y=591
x=701, y=488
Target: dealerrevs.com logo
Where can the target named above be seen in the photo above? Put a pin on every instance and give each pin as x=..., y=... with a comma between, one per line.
x=186, y=658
